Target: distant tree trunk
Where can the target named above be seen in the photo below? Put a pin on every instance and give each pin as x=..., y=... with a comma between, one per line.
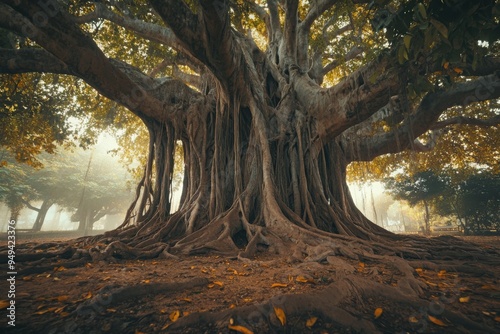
x=427, y=218
x=42, y=213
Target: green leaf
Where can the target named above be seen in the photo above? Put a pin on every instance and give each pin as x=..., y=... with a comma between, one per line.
x=407, y=41
x=443, y=30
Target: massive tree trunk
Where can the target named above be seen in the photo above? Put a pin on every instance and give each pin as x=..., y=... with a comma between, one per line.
x=41, y=214
x=265, y=146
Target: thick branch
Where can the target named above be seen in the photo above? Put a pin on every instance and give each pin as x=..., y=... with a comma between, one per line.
x=462, y=120
x=350, y=102
x=60, y=36
x=30, y=60
x=289, y=50
x=431, y=107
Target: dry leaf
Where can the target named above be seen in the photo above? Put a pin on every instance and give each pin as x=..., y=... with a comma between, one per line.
x=64, y=314
x=218, y=283
x=60, y=309
x=87, y=296
x=497, y=319
x=464, y=299
x=279, y=285
x=185, y=313
x=165, y=327
x=280, y=314
x=4, y=304
x=27, y=278
x=62, y=298
x=311, y=321
x=413, y=320
x=302, y=279
x=419, y=271
x=146, y=281
x=442, y=273
x=247, y=300
x=458, y=70
x=446, y=64
x=378, y=312
x=138, y=332
x=111, y=310
x=174, y=315
x=240, y=329
x=232, y=306
x=211, y=285
x=186, y=300
x=436, y=321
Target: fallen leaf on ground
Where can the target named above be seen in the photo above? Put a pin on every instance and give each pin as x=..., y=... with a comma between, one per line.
x=464, y=299
x=62, y=298
x=218, y=283
x=174, y=315
x=302, y=279
x=311, y=321
x=4, y=304
x=497, y=319
x=240, y=329
x=436, y=321
x=186, y=300
x=165, y=327
x=413, y=320
x=88, y=295
x=279, y=285
x=280, y=314
x=378, y=312
x=442, y=273
x=111, y=310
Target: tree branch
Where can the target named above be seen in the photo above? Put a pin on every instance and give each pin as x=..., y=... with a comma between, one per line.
x=60, y=36
x=462, y=120
x=288, y=54
x=351, y=101
x=429, y=110
x=30, y=60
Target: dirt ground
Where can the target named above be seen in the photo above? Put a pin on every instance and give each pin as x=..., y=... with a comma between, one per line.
x=147, y=296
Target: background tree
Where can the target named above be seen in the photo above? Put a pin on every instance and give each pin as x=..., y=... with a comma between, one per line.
x=271, y=101
x=424, y=187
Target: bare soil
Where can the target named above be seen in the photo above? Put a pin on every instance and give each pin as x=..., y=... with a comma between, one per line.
x=149, y=296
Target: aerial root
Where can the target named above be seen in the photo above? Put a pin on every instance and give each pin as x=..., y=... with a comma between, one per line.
x=120, y=249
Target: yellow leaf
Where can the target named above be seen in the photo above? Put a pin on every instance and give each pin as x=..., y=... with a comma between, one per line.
x=4, y=304
x=146, y=281
x=436, y=321
x=378, y=312
x=280, y=314
x=413, y=320
x=174, y=315
x=311, y=321
x=279, y=285
x=218, y=283
x=240, y=329
x=59, y=310
x=301, y=279
x=62, y=298
x=419, y=271
x=464, y=299
x=211, y=285
x=163, y=311
x=458, y=70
